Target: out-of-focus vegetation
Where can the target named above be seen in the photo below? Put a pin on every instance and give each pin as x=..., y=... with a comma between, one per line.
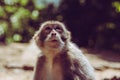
x=16, y=17
x=93, y=23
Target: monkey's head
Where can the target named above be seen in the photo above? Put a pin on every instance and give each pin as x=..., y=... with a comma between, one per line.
x=52, y=35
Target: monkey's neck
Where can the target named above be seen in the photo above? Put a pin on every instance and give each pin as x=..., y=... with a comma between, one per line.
x=52, y=55
x=53, y=52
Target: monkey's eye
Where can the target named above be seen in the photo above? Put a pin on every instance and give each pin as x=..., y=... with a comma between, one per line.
x=58, y=29
x=48, y=30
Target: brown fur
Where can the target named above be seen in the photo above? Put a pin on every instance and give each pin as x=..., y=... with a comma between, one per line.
x=61, y=59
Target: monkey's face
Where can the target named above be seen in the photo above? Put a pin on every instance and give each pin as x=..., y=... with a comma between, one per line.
x=52, y=35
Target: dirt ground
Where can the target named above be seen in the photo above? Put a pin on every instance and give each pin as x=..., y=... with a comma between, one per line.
x=16, y=63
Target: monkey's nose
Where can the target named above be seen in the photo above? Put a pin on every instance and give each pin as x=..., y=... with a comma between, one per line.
x=53, y=34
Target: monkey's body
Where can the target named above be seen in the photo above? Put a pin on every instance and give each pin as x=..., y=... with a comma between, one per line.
x=60, y=59
x=49, y=70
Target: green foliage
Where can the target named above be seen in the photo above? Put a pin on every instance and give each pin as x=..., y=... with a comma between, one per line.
x=10, y=2
x=10, y=9
x=2, y=12
x=15, y=16
x=35, y=14
x=19, y=18
x=17, y=37
x=3, y=27
x=24, y=2
x=116, y=4
x=39, y=4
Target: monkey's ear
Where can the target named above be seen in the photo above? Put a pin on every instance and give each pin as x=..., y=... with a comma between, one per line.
x=35, y=36
x=68, y=35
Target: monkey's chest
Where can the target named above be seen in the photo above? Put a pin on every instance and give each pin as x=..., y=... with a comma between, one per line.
x=52, y=72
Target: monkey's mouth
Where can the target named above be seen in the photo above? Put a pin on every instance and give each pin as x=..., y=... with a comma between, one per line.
x=54, y=40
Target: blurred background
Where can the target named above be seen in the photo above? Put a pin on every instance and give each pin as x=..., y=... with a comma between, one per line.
x=94, y=24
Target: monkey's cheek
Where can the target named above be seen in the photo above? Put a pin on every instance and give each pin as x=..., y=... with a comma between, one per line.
x=39, y=42
x=61, y=41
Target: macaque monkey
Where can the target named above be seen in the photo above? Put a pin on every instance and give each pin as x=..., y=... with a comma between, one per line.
x=61, y=59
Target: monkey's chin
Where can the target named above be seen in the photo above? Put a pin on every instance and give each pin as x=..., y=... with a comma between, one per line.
x=54, y=44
